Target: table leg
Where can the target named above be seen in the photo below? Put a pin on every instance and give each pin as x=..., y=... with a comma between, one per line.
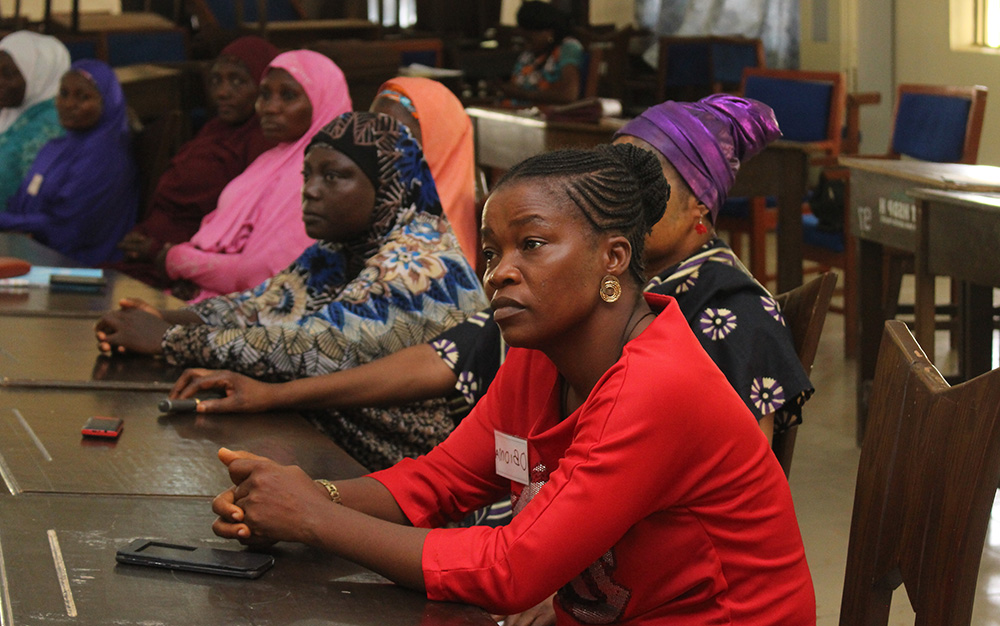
x=871, y=320
x=976, y=353
x=794, y=173
x=923, y=298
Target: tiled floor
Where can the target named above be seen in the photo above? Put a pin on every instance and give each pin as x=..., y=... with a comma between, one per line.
x=822, y=481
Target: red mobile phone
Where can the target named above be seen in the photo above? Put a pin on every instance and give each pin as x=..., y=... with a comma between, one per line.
x=102, y=427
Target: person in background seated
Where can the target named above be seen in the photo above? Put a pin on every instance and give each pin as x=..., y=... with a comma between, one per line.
x=550, y=70
x=643, y=490
x=256, y=229
x=189, y=189
x=699, y=145
x=31, y=66
x=385, y=273
x=445, y=132
x=82, y=192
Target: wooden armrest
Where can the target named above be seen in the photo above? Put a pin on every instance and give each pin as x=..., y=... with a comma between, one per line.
x=852, y=134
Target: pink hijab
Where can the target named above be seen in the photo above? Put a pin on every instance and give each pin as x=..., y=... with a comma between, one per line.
x=256, y=229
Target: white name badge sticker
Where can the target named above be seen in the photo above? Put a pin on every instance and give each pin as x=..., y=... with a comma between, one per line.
x=512, y=457
x=34, y=185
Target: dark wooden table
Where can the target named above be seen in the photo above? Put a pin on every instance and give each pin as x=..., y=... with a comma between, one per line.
x=781, y=170
x=44, y=301
x=884, y=215
x=504, y=138
x=44, y=351
x=960, y=232
x=42, y=450
x=67, y=502
x=57, y=566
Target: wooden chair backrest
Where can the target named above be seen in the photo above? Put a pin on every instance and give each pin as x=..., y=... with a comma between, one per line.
x=927, y=478
x=944, y=129
x=797, y=96
x=154, y=146
x=804, y=309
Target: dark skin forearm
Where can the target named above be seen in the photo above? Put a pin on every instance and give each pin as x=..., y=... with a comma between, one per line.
x=271, y=502
x=410, y=375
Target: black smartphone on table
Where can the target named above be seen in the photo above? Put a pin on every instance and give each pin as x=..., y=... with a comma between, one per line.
x=239, y=563
x=103, y=427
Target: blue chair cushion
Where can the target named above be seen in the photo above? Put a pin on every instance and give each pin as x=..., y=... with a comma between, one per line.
x=146, y=47
x=730, y=58
x=689, y=64
x=812, y=235
x=423, y=57
x=81, y=49
x=739, y=207
x=225, y=12
x=931, y=127
x=802, y=108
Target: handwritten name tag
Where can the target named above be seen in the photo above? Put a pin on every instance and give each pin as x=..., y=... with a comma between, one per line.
x=511, y=457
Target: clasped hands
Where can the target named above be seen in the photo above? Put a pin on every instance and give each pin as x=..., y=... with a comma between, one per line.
x=136, y=327
x=268, y=502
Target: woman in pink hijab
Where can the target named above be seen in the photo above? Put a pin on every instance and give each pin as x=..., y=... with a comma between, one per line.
x=257, y=228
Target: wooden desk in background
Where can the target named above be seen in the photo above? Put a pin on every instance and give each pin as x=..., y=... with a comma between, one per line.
x=505, y=138
x=151, y=90
x=884, y=215
x=960, y=233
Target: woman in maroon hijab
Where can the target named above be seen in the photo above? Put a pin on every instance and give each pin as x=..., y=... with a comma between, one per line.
x=221, y=150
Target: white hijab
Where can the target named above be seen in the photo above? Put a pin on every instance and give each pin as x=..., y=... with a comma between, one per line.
x=42, y=60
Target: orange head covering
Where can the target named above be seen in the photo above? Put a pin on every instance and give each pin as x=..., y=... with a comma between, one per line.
x=447, y=142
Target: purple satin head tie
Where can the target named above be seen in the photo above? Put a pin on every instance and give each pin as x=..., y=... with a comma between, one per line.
x=707, y=140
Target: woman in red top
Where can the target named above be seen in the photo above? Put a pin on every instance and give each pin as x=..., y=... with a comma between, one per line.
x=643, y=490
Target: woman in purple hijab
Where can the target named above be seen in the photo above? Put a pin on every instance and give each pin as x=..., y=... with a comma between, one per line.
x=81, y=194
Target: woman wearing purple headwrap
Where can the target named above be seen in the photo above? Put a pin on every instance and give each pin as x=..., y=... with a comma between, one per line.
x=701, y=145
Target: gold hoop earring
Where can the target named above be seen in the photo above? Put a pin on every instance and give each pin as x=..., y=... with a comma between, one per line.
x=611, y=289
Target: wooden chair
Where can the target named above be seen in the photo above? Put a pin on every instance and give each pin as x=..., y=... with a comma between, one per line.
x=730, y=57
x=930, y=123
x=684, y=68
x=809, y=107
x=804, y=309
x=154, y=146
x=928, y=475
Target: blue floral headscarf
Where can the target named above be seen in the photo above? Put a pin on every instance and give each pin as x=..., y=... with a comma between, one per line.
x=342, y=304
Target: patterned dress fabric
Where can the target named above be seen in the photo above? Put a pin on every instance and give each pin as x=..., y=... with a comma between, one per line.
x=341, y=305
x=741, y=327
x=732, y=315
x=533, y=73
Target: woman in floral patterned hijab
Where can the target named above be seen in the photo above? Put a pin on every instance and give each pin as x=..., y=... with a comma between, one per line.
x=386, y=273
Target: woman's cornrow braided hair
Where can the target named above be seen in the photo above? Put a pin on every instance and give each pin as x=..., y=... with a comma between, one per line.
x=619, y=188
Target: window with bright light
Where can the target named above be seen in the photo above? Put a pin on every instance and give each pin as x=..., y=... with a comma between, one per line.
x=402, y=13
x=988, y=23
